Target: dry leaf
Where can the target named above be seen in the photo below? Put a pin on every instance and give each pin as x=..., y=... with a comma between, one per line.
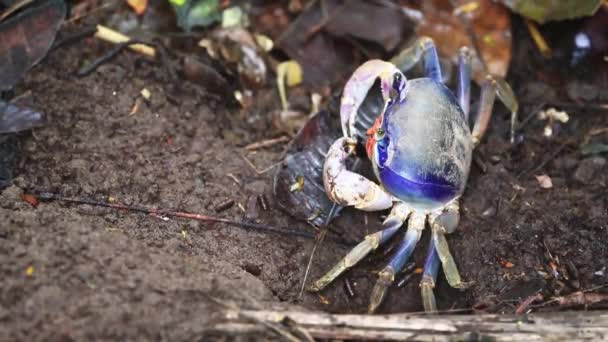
x=139, y=6
x=31, y=199
x=491, y=24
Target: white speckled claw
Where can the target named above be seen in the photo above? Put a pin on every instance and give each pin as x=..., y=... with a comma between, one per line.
x=358, y=86
x=348, y=188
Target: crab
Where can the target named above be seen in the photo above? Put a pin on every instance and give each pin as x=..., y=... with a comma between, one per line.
x=420, y=147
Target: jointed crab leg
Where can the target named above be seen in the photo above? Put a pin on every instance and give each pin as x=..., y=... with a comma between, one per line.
x=464, y=81
x=484, y=112
x=429, y=277
x=390, y=226
x=387, y=276
x=358, y=86
x=424, y=49
x=507, y=97
x=446, y=223
x=490, y=88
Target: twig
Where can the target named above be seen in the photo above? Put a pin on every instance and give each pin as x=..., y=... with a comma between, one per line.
x=267, y=143
x=581, y=105
x=88, y=69
x=275, y=327
x=75, y=37
x=318, y=242
x=525, y=304
x=109, y=35
x=538, y=39
x=530, y=116
x=14, y=8
x=577, y=297
x=581, y=298
x=260, y=172
x=573, y=326
x=91, y=12
x=552, y=156
x=191, y=216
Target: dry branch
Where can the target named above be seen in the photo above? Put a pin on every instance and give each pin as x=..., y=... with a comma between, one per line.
x=557, y=326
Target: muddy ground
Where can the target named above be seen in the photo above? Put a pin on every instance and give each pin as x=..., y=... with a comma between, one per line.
x=82, y=273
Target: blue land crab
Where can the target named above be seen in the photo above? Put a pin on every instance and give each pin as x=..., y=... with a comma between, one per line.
x=420, y=147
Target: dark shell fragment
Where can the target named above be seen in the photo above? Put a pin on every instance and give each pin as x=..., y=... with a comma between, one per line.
x=305, y=156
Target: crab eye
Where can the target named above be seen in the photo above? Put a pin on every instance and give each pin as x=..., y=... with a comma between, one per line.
x=380, y=134
x=398, y=82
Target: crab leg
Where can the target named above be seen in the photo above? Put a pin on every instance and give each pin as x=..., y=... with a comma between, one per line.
x=358, y=86
x=490, y=88
x=390, y=226
x=387, y=276
x=429, y=277
x=507, y=97
x=348, y=188
x=464, y=81
x=446, y=223
x=423, y=48
x=484, y=112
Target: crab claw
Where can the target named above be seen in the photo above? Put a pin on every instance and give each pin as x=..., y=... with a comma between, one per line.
x=360, y=83
x=348, y=188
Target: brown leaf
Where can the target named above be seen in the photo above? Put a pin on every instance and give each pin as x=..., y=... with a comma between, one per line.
x=368, y=21
x=139, y=6
x=317, y=39
x=31, y=199
x=491, y=23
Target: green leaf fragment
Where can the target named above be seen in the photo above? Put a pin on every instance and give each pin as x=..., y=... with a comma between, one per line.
x=196, y=13
x=594, y=148
x=547, y=10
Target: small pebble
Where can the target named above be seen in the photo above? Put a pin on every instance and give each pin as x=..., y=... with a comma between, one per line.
x=495, y=159
x=224, y=205
x=588, y=168
x=491, y=211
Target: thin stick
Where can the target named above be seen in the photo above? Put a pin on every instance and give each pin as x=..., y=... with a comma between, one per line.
x=572, y=326
x=191, y=216
x=552, y=156
x=109, y=35
x=318, y=242
x=14, y=8
x=538, y=39
x=321, y=237
x=267, y=143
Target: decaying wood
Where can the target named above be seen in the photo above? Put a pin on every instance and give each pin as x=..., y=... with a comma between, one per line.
x=558, y=326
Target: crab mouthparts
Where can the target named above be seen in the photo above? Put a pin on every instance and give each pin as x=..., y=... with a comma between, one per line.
x=371, y=140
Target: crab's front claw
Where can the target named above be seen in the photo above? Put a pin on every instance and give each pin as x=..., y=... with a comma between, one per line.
x=360, y=83
x=348, y=188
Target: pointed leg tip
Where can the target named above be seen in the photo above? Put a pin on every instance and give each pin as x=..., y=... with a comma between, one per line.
x=376, y=298
x=385, y=279
x=316, y=286
x=428, y=298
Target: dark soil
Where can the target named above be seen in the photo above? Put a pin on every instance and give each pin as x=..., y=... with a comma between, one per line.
x=89, y=273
